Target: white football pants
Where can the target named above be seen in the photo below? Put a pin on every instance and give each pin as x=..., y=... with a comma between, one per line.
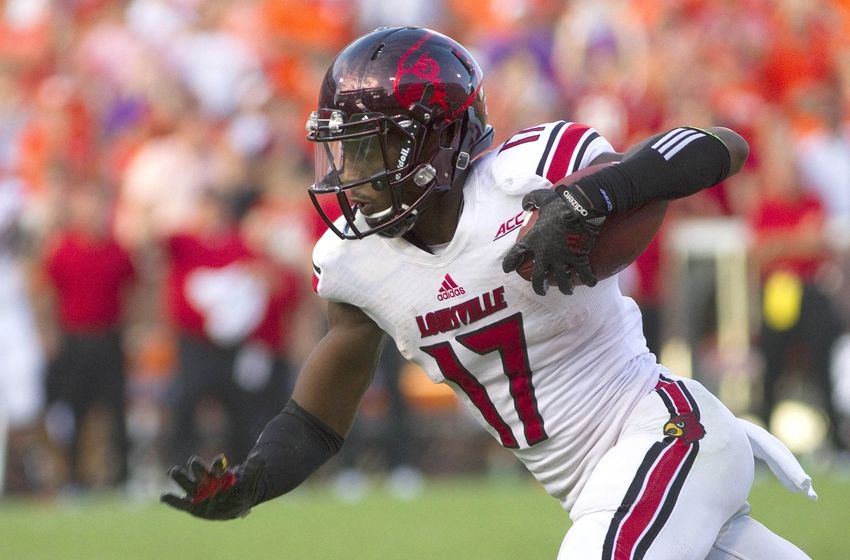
x=674, y=487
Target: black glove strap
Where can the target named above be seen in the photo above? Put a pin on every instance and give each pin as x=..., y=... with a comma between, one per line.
x=585, y=206
x=292, y=446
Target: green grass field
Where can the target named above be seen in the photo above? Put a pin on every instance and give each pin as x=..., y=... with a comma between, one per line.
x=457, y=519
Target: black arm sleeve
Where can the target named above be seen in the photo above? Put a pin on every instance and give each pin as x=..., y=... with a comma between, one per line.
x=672, y=165
x=292, y=446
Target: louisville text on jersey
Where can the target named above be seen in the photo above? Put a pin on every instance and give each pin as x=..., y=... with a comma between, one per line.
x=464, y=313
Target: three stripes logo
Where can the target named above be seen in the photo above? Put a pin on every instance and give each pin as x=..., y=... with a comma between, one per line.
x=671, y=143
x=449, y=289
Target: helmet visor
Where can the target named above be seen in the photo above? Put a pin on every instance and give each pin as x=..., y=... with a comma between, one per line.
x=345, y=163
x=368, y=148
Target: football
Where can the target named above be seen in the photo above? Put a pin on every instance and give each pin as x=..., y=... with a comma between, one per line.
x=624, y=236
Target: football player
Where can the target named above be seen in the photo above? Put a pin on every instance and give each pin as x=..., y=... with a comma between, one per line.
x=649, y=465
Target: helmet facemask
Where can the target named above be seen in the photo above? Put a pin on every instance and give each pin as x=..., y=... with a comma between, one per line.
x=371, y=148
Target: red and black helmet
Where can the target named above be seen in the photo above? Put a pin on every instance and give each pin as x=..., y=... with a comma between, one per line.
x=401, y=108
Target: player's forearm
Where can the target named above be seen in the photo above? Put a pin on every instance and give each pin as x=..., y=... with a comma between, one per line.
x=738, y=148
x=735, y=143
x=330, y=386
x=331, y=389
x=339, y=370
x=670, y=165
x=291, y=448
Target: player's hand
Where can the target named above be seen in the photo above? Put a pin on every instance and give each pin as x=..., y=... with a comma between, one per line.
x=218, y=492
x=560, y=241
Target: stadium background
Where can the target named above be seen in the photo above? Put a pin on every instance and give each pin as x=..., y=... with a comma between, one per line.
x=148, y=103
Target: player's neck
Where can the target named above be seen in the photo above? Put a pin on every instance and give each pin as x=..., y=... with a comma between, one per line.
x=437, y=225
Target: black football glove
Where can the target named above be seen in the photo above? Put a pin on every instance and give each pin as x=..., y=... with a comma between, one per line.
x=218, y=492
x=560, y=241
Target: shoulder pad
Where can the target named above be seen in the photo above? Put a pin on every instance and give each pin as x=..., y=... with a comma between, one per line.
x=551, y=150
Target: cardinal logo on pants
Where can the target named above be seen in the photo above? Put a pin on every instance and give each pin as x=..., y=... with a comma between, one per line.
x=685, y=426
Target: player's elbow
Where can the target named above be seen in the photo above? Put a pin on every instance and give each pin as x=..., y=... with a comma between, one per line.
x=738, y=148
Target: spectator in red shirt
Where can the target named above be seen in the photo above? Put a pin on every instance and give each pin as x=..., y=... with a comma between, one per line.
x=790, y=248
x=264, y=367
x=227, y=304
x=89, y=273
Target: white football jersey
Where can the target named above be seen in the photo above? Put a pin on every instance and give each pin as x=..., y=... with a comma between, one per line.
x=551, y=377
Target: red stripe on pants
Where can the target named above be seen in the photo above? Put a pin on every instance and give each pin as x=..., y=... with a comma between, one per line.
x=651, y=499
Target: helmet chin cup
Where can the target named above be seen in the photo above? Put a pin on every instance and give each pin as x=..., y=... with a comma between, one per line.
x=399, y=227
x=378, y=217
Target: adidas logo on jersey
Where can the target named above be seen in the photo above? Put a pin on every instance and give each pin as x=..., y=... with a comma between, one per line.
x=449, y=289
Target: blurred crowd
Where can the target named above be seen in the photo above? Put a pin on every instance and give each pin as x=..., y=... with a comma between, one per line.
x=155, y=232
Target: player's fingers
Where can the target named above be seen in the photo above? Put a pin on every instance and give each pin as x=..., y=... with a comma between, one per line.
x=199, y=470
x=211, y=510
x=181, y=477
x=219, y=465
x=518, y=253
x=589, y=281
x=585, y=273
x=564, y=279
x=537, y=198
x=176, y=502
x=539, y=281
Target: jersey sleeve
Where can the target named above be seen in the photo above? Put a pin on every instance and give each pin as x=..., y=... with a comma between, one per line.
x=333, y=271
x=322, y=256
x=550, y=151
